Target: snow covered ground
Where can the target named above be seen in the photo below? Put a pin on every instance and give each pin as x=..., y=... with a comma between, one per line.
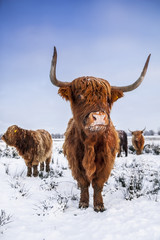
x=46, y=207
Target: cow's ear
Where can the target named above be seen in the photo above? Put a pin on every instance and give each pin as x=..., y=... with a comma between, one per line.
x=65, y=92
x=115, y=94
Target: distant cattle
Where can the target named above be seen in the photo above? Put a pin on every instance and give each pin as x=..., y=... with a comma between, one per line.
x=138, y=141
x=34, y=146
x=91, y=140
x=123, y=143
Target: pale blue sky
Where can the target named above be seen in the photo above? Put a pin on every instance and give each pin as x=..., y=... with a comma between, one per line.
x=108, y=39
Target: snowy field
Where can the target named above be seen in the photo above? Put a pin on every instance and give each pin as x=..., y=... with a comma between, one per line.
x=46, y=207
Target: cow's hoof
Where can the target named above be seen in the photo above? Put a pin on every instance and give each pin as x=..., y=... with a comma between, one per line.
x=99, y=208
x=47, y=169
x=83, y=205
x=28, y=175
x=35, y=174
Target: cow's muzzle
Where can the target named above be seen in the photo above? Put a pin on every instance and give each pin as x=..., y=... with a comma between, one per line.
x=97, y=121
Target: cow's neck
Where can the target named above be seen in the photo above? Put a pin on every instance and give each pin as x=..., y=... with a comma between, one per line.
x=93, y=138
x=22, y=140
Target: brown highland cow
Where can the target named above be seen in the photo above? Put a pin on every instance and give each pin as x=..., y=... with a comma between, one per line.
x=138, y=141
x=91, y=140
x=34, y=146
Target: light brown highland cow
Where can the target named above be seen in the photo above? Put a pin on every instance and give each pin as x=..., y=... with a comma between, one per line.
x=91, y=141
x=34, y=146
x=138, y=141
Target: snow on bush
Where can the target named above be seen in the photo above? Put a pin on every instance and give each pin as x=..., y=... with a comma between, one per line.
x=4, y=220
x=51, y=205
x=9, y=152
x=136, y=178
x=41, y=201
x=19, y=187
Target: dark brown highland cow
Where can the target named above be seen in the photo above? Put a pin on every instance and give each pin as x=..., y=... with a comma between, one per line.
x=123, y=143
x=91, y=141
x=138, y=141
x=34, y=146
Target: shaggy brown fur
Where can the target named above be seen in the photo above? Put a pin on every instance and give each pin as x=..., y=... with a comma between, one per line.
x=34, y=146
x=91, y=151
x=91, y=141
x=123, y=143
x=138, y=141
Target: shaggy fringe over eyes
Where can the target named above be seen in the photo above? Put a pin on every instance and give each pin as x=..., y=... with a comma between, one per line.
x=93, y=89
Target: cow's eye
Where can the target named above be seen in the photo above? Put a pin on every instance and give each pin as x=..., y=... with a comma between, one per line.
x=108, y=100
x=80, y=97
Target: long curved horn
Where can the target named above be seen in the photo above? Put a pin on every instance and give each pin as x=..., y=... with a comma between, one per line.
x=143, y=129
x=136, y=83
x=130, y=131
x=53, y=72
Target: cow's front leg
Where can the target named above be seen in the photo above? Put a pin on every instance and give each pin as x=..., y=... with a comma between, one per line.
x=42, y=166
x=29, y=168
x=35, y=170
x=29, y=171
x=84, y=197
x=35, y=167
x=97, y=197
x=83, y=184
